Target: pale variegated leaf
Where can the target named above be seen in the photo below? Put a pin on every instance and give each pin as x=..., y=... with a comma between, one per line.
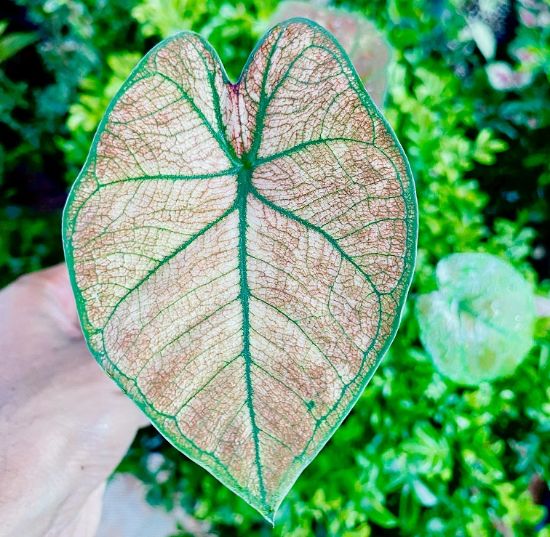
x=479, y=324
x=240, y=253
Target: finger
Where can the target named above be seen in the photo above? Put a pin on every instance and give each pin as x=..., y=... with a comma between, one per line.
x=128, y=407
x=61, y=294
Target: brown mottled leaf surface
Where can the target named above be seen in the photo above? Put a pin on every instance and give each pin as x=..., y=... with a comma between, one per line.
x=240, y=253
x=363, y=42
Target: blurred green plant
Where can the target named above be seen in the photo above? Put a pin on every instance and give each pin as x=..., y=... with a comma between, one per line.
x=12, y=93
x=419, y=455
x=479, y=324
x=12, y=43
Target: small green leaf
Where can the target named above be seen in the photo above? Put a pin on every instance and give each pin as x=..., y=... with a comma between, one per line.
x=379, y=514
x=426, y=497
x=409, y=508
x=479, y=324
x=11, y=44
x=240, y=253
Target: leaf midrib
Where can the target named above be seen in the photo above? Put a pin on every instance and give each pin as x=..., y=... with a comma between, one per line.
x=244, y=185
x=243, y=182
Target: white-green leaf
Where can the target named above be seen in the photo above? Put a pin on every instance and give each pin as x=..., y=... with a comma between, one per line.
x=478, y=325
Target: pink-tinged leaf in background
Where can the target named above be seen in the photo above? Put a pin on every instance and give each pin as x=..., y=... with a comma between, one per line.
x=364, y=43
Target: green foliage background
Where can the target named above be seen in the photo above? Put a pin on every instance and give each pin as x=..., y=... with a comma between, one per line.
x=418, y=455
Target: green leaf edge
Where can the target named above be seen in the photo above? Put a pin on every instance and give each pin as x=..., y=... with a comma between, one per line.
x=268, y=512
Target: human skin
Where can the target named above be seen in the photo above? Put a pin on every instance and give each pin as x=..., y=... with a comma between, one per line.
x=64, y=426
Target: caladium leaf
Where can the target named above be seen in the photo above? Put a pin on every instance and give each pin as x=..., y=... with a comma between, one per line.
x=479, y=324
x=240, y=253
x=365, y=45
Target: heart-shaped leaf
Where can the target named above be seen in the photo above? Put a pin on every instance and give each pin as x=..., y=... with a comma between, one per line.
x=479, y=324
x=240, y=253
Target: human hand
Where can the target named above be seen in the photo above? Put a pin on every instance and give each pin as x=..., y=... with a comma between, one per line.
x=64, y=426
